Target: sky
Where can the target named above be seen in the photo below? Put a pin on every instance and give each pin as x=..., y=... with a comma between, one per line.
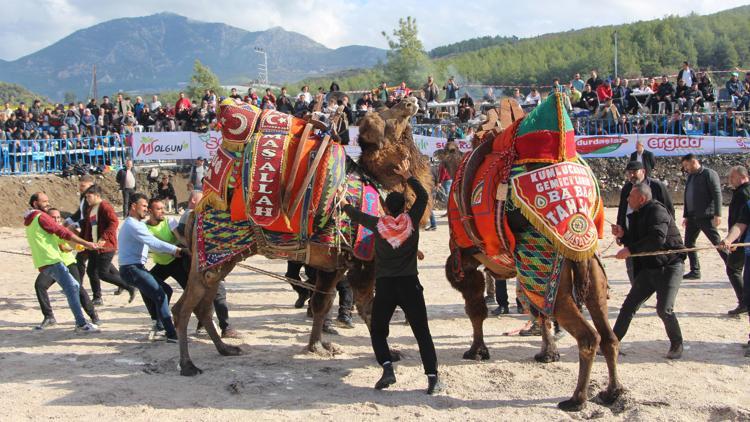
x=30, y=25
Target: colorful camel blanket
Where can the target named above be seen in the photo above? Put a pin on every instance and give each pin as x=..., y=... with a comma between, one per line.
x=538, y=267
x=562, y=202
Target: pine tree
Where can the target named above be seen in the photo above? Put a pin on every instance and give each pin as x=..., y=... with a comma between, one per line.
x=203, y=78
x=407, y=60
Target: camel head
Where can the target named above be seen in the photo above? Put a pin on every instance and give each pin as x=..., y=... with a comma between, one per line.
x=386, y=139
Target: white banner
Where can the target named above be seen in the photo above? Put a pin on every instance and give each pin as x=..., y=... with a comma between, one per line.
x=190, y=145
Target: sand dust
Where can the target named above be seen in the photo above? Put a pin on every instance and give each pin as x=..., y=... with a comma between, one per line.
x=119, y=375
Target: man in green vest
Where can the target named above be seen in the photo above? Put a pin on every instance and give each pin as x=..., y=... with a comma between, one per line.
x=178, y=268
x=43, y=234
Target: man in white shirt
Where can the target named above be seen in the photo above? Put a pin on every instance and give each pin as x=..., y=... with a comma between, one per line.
x=155, y=103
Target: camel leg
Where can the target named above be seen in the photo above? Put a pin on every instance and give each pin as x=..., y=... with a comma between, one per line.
x=193, y=294
x=571, y=319
x=320, y=304
x=205, y=312
x=471, y=287
x=596, y=303
x=549, y=351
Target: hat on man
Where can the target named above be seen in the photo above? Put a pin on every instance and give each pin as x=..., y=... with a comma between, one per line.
x=735, y=74
x=634, y=165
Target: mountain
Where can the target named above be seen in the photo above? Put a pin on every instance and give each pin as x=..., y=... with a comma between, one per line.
x=14, y=94
x=157, y=52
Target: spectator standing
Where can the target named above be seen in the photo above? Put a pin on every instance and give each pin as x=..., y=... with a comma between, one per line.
x=577, y=82
x=451, y=89
x=165, y=192
x=686, y=75
x=284, y=103
x=126, y=180
x=739, y=179
x=138, y=107
x=430, y=90
x=702, y=212
x=645, y=157
x=306, y=95
x=155, y=103
x=594, y=81
x=197, y=173
x=182, y=110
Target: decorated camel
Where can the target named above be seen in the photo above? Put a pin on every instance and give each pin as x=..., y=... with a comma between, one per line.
x=274, y=189
x=525, y=205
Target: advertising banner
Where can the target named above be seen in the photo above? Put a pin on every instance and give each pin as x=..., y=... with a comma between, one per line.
x=190, y=145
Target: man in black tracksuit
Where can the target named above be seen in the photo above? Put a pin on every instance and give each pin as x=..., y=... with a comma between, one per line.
x=396, y=280
x=651, y=228
x=702, y=211
x=740, y=181
x=636, y=172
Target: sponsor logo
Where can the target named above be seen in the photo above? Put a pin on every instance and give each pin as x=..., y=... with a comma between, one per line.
x=672, y=143
x=211, y=142
x=743, y=143
x=598, y=144
x=150, y=145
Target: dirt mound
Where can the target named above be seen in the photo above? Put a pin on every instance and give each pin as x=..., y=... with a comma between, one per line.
x=63, y=193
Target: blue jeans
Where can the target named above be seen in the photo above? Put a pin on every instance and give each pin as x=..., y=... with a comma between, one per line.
x=70, y=286
x=447, y=186
x=433, y=223
x=136, y=275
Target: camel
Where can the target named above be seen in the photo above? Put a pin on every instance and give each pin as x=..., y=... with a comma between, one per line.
x=581, y=281
x=385, y=138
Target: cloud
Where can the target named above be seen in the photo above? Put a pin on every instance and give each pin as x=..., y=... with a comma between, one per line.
x=335, y=23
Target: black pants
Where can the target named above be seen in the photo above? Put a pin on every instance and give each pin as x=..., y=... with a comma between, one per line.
x=665, y=282
x=692, y=230
x=735, y=262
x=126, y=200
x=501, y=293
x=344, y=289
x=44, y=282
x=100, y=267
x=178, y=270
x=407, y=293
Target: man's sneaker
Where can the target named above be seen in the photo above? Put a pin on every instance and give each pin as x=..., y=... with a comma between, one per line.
x=692, y=275
x=301, y=299
x=431, y=229
x=230, y=332
x=200, y=330
x=46, y=323
x=534, y=330
x=489, y=300
x=119, y=291
x=433, y=384
x=87, y=328
x=131, y=292
x=388, y=378
x=740, y=309
x=501, y=310
x=345, y=321
x=98, y=302
x=172, y=340
x=95, y=319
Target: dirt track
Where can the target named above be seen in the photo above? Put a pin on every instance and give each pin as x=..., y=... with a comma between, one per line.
x=119, y=375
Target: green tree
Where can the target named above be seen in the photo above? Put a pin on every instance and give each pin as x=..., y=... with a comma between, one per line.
x=725, y=55
x=407, y=60
x=203, y=78
x=69, y=97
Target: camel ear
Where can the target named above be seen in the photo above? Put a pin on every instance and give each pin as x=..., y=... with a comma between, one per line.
x=372, y=130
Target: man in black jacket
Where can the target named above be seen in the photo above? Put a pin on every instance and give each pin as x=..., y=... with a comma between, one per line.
x=702, y=212
x=396, y=280
x=740, y=181
x=644, y=156
x=635, y=174
x=651, y=228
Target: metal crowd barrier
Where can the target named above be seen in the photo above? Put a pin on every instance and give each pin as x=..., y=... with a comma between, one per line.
x=54, y=156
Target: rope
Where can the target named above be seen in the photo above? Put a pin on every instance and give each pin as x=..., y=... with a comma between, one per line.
x=245, y=266
x=283, y=278
x=656, y=253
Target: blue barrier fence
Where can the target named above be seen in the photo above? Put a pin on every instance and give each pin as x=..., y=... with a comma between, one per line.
x=52, y=156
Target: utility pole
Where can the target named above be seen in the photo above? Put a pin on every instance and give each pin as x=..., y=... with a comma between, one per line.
x=262, y=68
x=93, y=91
x=615, y=54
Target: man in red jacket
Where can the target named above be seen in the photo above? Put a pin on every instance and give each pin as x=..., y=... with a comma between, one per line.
x=99, y=225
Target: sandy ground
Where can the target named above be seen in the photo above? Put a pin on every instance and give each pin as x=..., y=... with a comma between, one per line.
x=56, y=374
